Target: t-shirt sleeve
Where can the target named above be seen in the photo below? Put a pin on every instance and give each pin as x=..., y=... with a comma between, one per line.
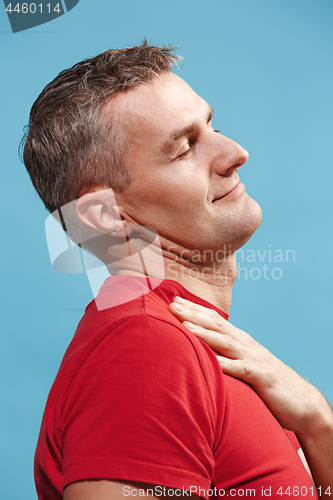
x=140, y=409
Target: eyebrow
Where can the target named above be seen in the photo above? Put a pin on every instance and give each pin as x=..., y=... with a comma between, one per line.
x=178, y=134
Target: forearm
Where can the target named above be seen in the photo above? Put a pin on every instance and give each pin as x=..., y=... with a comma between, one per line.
x=316, y=439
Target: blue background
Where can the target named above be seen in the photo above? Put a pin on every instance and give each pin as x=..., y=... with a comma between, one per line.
x=266, y=67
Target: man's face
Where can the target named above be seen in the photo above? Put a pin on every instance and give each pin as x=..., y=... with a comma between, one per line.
x=185, y=181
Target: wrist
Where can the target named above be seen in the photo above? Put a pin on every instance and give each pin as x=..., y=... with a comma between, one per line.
x=318, y=421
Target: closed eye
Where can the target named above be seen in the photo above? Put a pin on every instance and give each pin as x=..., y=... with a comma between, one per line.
x=185, y=154
x=193, y=141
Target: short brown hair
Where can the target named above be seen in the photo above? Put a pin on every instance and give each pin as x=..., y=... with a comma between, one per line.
x=68, y=146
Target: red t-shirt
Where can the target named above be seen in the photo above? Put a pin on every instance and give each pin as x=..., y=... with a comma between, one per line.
x=140, y=398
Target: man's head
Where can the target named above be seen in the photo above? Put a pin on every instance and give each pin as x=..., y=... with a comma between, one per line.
x=123, y=120
x=71, y=145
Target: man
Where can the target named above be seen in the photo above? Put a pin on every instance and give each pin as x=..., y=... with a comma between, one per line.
x=140, y=402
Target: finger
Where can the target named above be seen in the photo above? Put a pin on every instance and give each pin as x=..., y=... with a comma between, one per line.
x=185, y=310
x=221, y=343
x=262, y=376
x=202, y=316
x=238, y=368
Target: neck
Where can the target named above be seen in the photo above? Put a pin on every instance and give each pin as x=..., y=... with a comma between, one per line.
x=217, y=294
x=201, y=273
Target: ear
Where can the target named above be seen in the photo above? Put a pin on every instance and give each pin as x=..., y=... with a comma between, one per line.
x=99, y=210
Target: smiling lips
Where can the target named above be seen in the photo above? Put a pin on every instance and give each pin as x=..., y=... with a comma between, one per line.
x=229, y=192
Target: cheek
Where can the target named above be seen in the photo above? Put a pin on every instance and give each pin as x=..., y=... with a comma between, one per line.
x=181, y=196
x=180, y=186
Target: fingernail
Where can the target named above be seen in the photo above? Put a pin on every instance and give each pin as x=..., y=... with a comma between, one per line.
x=191, y=326
x=179, y=308
x=180, y=299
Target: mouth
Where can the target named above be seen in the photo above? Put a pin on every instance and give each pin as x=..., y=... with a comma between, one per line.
x=228, y=193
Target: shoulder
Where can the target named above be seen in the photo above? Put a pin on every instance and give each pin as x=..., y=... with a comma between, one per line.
x=135, y=341
x=133, y=316
x=146, y=366
x=142, y=351
x=146, y=341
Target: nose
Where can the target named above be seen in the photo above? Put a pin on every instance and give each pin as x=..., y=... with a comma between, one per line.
x=228, y=157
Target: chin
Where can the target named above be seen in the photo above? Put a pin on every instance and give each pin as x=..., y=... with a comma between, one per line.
x=247, y=224
x=256, y=214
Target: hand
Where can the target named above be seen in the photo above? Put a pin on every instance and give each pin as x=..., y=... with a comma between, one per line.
x=291, y=399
